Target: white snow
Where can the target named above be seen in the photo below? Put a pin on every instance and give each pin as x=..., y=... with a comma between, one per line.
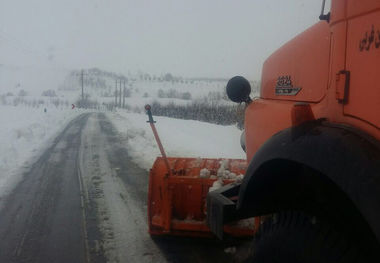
x=239, y=177
x=204, y=173
x=24, y=133
x=26, y=130
x=216, y=185
x=123, y=220
x=180, y=138
x=222, y=171
x=230, y=250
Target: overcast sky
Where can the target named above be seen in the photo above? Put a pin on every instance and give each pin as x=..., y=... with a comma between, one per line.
x=192, y=38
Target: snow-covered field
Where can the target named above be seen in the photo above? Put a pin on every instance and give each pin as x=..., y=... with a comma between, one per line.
x=180, y=138
x=28, y=131
x=25, y=132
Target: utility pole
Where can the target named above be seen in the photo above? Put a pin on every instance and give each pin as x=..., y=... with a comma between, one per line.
x=124, y=95
x=81, y=77
x=81, y=74
x=120, y=95
x=115, y=92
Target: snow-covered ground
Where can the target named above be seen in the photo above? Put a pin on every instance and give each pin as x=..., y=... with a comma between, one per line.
x=26, y=129
x=25, y=132
x=180, y=138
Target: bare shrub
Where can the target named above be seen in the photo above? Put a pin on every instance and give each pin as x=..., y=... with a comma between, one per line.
x=161, y=93
x=16, y=101
x=56, y=102
x=87, y=103
x=49, y=93
x=108, y=94
x=186, y=96
x=174, y=94
x=35, y=104
x=137, y=109
x=127, y=93
x=203, y=111
x=22, y=93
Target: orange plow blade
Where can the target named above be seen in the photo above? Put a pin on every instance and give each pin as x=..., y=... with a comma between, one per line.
x=177, y=200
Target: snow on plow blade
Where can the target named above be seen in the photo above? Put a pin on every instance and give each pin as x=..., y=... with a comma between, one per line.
x=177, y=200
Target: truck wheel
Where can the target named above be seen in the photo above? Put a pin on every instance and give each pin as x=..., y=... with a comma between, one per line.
x=295, y=237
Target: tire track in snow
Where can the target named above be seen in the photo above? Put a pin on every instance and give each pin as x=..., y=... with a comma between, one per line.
x=120, y=213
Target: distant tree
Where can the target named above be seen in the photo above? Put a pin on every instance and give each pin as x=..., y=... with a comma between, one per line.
x=161, y=93
x=22, y=93
x=186, y=96
x=56, y=102
x=172, y=93
x=146, y=95
x=35, y=104
x=128, y=93
x=168, y=77
x=146, y=76
x=16, y=101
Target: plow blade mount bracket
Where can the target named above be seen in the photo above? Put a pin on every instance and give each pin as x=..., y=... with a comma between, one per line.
x=220, y=208
x=177, y=201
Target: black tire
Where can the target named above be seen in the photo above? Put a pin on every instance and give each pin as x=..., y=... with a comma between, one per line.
x=295, y=237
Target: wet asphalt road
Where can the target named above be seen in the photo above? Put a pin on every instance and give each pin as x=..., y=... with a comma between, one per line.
x=84, y=200
x=41, y=220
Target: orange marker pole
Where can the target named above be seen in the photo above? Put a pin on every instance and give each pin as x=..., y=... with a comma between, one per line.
x=151, y=122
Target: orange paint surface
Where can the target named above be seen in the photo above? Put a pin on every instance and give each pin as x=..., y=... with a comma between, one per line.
x=177, y=203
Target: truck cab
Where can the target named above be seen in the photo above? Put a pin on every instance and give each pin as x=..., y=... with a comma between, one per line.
x=312, y=141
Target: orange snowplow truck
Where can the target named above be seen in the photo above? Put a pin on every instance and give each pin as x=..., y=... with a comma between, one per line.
x=313, y=144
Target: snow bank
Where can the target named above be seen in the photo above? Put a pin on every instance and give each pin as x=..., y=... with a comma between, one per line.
x=180, y=138
x=24, y=133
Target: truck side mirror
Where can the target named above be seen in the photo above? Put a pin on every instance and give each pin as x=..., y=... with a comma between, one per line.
x=238, y=90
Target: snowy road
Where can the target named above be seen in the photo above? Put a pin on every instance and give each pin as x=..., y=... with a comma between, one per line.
x=41, y=220
x=84, y=200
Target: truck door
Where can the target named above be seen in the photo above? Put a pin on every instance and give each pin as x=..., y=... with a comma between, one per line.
x=363, y=60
